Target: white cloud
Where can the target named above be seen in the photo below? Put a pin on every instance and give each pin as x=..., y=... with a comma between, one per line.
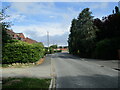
x=52, y=16
x=32, y=8
x=38, y=32
x=15, y=17
x=58, y=32
x=41, y=9
x=102, y=5
x=41, y=30
x=21, y=10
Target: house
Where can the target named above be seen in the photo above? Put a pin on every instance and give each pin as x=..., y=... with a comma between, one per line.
x=17, y=36
x=20, y=36
x=28, y=40
x=11, y=33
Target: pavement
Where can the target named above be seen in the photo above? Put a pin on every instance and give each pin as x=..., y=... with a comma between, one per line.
x=75, y=72
x=40, y=71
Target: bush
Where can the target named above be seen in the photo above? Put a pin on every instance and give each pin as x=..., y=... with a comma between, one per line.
x=22, y=52
x=59, y=51
x=107, y=48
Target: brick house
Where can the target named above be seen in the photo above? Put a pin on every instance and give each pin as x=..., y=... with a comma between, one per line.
x=20, y=36
x=28, y=40
x=10, y=33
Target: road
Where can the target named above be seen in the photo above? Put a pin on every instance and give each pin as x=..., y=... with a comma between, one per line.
x=74, y=72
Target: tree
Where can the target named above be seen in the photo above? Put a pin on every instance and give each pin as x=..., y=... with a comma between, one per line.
x=99, y=33
x=111, y=27
x=116, y=9
x=87, y=33
x=108, y=36
x=53, y=46
x=72, y=37
x=82, y=34
x=4, y=26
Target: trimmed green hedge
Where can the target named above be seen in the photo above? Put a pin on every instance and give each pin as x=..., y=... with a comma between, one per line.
x=107, y=49
x=22, y=52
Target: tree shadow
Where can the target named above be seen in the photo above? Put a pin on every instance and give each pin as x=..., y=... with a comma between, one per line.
x=66, y=55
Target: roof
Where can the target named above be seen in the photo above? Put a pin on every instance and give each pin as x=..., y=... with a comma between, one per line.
x=21, y=35
x=28, y=40
x=10, y=32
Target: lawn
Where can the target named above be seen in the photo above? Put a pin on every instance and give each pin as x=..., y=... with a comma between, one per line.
x=25, y=83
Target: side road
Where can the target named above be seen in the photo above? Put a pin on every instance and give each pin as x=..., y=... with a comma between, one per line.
x=40, y=71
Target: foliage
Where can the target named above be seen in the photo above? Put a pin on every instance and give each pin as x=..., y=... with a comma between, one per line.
x=46, y=50
x=3, y=26
x=109, y=27
x=82, y=34
x=107, y=48
x=117, y=9
x=53, y=46
x=52, y=49
x=22, y=52
x=73, y=37
x=94, y=37
x=5, y=36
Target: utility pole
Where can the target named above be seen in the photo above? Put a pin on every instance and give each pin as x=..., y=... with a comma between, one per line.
x=48, y=39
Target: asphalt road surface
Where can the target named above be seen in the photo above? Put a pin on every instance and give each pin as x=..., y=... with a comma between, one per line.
x=74, y=72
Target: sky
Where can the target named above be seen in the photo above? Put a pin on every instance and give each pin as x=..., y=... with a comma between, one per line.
x=35, y=19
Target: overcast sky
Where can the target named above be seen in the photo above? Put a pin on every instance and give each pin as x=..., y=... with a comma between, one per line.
x=34, y=19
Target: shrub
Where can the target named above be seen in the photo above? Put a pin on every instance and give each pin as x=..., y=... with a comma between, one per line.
x=59, y=51
x=22, y=52
x=107, y=48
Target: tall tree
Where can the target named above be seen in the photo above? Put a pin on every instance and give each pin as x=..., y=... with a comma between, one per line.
x=82, y=34
x=3, y=26
x=116, y=9
x=72, y=37
x=87, y=33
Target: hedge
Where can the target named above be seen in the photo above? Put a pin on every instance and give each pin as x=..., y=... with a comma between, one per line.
x=22, y=52
x=107, y=48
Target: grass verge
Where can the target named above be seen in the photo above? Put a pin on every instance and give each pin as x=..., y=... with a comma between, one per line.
x=26, y=83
